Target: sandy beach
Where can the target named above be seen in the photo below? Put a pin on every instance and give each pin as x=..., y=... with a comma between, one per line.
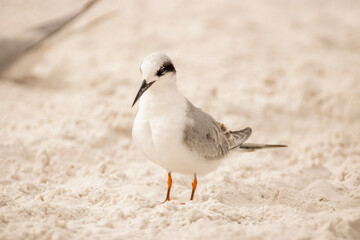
x=287, y=69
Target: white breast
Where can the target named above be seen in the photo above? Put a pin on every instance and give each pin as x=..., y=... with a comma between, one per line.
x=142, y=137
x=158, y=133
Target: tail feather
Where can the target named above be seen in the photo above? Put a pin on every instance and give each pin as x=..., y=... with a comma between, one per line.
x=239, y=137
x=257, y=146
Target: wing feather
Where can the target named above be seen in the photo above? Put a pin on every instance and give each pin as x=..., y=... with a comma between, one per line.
x=209, y=138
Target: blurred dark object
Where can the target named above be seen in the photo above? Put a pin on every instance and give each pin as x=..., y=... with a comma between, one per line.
x=18, y=55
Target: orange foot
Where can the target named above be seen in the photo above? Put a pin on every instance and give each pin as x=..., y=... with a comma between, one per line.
x=169, y=182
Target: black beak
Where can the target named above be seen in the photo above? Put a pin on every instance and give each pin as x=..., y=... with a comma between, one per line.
x=143, y=88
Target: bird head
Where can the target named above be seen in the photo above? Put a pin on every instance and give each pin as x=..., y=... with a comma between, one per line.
x=156, y=68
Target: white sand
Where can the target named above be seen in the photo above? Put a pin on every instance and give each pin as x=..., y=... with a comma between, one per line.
x=288, y=69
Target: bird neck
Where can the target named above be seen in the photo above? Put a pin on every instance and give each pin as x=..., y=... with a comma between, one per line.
x=160, y=98
x=166, y=83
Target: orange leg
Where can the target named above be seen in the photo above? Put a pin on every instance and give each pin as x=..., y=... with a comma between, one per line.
x=194, y=184
x=169, y=182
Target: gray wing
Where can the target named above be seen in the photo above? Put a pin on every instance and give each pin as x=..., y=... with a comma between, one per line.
x=209, y=138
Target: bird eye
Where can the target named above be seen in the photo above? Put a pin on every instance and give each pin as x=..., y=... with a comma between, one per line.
x=165, y=68
x=160, y=72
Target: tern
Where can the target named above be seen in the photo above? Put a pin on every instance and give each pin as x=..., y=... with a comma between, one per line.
x=175, y=134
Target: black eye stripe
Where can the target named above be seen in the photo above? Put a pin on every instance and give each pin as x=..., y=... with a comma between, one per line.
x=160, y=72
x=166, y=67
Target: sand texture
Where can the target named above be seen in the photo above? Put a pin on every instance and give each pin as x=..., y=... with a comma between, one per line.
x=290, y=70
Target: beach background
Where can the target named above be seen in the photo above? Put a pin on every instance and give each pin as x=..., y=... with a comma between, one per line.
x=287, y=69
